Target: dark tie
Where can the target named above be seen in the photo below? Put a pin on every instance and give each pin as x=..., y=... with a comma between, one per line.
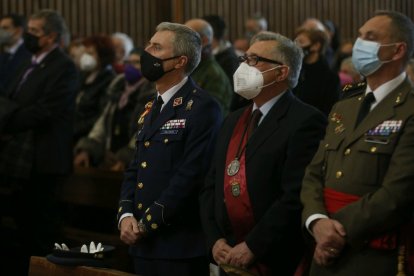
x=157, y=109
x=254, y=121
x=25, y=75
x=365, y=107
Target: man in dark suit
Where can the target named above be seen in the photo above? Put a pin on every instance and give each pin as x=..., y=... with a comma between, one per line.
x=358, y=191
x=36, y=131
x=14, y=54
x=158, y=210
x=250, y=205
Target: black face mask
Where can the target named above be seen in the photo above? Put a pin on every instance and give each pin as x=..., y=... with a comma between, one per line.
x=306, y=50
x=31, y=42
x=151, y=67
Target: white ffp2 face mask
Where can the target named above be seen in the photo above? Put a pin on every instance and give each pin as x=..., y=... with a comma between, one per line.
x=248, y=81
x=87, y=62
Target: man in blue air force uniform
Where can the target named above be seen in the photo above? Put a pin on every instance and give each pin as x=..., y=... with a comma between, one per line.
x=158, y=210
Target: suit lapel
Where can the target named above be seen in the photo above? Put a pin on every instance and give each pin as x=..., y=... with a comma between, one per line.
x=383, y=111
x=169, y=109
x=269, y=124
x=33, y=75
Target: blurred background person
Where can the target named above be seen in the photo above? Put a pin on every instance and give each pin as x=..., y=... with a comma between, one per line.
x=96, y=75
x=252, y=25
x=36, y=141
x=13, y=53
x=318, y=84
x=348, y=74
x=225, y=55
x=76, y=50
x=315, y=24
x=209, y=75
x=344, y=51
x=123, y=46
x=107, y=142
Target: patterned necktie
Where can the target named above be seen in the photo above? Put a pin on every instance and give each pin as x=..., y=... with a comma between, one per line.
x=254, y=122
x=365, y=107
x=25, y=75
x=157, y=109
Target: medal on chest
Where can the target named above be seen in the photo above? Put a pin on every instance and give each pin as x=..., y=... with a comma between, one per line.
x=233, y=168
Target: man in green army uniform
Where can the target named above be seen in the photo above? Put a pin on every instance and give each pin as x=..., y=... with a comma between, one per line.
x=358, y=191
x=209, y=75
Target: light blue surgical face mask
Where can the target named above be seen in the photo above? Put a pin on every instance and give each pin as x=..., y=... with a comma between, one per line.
x=365, y=56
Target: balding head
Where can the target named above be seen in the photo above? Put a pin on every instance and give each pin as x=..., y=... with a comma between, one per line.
x=313, y=24
x=203, y=28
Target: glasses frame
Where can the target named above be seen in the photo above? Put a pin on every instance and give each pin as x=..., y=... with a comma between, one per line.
x=252, y=60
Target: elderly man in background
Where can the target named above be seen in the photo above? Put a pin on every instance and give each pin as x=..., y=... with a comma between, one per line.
x=209, y=75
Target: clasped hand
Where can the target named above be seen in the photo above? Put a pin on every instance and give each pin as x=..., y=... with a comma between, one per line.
x=239, y=255
x=130, y=233
x=330, y=240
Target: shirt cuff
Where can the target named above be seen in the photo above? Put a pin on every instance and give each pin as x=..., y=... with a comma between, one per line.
x=122, y=217
x=311, y=219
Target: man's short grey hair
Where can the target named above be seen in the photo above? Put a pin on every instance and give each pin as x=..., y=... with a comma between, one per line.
x=186, y=42
x=261, y=20
x=285, y=51
x=402, y=30
x=126, y=41
x=207, y=31
x=54, y=23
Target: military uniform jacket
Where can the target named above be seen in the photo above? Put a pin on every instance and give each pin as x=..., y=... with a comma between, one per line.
x=162, y=183
x=374, y=161
x=276, y=157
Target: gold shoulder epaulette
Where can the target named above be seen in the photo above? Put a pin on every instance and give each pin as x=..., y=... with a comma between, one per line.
x=354, y=89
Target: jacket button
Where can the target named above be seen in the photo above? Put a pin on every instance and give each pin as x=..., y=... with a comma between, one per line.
x=140, y=185
x=154, y=226
x=347, y=152
x=373, y=149
x=149, y=217
x=147, y=144
x=143, y=165
x=139, y=206
x=338, y=174
x=165, y=140
x=326, y=145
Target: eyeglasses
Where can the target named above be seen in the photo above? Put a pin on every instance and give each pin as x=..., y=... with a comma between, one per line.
x=252, y=60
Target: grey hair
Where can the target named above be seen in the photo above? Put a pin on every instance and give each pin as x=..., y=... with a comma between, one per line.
x=186, y=42
x=207, y=31
x=285, y=51
x=402, y=29
x=126, y=40
x=54, y=23
x=260, y=20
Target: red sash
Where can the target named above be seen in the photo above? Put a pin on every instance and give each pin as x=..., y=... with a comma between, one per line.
x=236, y=195
x=335, y=200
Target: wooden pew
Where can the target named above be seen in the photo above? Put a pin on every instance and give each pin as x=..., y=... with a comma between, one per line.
x=89, y=200
x=40, y=266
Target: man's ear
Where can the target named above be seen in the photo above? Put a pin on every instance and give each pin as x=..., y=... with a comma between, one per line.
x=400, y=51
x=283, y=72
x=182, y=62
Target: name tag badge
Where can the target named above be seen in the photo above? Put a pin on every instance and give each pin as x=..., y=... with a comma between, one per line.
x=377, y=140
x=168, y=131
